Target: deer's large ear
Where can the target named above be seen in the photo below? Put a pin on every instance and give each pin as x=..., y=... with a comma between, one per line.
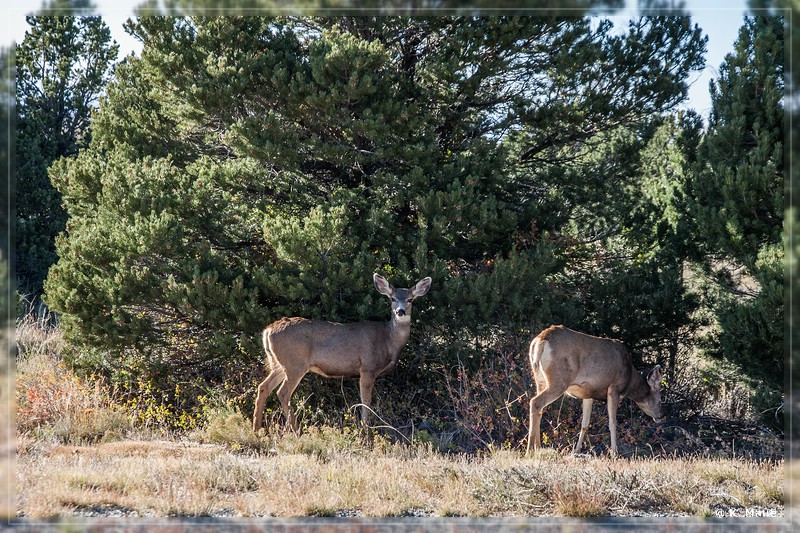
x=421, y=288
x=654, y=378
x=383, y=286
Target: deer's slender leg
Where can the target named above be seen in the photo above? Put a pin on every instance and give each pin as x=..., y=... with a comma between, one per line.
x=538, y=403
x=264, y=390
x=534, y=429
x=587, y=413
x=613, y=403
x=366, y=383
x=285, y=395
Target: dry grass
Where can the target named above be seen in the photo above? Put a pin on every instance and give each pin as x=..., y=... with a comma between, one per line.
x=52, y=402
x=77, y=455
x=6, y=429
x=165, y=478
x=792, y=486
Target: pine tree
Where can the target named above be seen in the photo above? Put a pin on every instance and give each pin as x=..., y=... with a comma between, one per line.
x=792, y=220
x=63, y=64
x=245, y=169
x=643, y=291
x=738, y=200
x=607, y=170
x=385, y=7
x=6, y=111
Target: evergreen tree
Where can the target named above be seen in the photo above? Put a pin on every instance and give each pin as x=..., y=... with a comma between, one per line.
x=245, y=169
x=737, y=196
x=609, y=175
x=63, y=63
x=6, y=193
x=792, y=221
x=641, y=289
x=379, y=7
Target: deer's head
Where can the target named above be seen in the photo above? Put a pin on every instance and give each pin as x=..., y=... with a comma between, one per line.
x=402, y=299
x=651, y=403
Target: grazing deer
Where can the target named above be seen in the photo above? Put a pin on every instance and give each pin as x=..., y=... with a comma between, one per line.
x=590, y=368
x=295, y=346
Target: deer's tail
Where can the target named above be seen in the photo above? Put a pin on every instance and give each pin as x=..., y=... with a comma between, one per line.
x=535, y=354
x=271, y=360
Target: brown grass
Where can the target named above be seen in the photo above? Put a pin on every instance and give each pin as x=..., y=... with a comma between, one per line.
x=52, y=402
x=78, y=455
x=6, y=428
x=169, y=478
x=793, y=486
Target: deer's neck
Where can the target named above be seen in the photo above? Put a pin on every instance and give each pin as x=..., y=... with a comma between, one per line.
x=637, y=386
x=398, y=335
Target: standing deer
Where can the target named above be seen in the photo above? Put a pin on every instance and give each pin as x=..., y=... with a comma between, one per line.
x=590, y=368
x=295, y=346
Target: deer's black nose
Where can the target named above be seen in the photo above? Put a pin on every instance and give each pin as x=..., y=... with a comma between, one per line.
x=401, y=312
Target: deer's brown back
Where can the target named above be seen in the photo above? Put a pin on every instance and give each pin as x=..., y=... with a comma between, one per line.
x=328, y=348
x=583, y=365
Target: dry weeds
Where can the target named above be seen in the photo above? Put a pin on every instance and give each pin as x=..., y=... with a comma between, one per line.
x=6, y=428
x=52, y=401
x=165, y=478
x=78, y=456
